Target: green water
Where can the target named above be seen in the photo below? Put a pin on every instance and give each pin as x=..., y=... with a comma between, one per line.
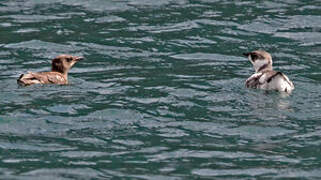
x=161, y=92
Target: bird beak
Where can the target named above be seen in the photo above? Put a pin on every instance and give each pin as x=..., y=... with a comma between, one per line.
x=78, y=58
x=246, y=54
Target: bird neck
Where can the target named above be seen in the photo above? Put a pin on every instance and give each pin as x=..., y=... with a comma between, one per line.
x=264, y=67
x=59, y=69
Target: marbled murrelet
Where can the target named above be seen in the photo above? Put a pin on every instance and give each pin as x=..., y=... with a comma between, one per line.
x=58, y=75
x=265, y=77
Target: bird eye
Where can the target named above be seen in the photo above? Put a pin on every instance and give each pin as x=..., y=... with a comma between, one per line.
x=69, y=59
x=254, y=57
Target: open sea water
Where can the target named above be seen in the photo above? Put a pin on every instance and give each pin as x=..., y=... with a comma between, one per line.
x=160, y=94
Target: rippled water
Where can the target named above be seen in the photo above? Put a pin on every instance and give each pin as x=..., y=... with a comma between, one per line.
x=161, y=93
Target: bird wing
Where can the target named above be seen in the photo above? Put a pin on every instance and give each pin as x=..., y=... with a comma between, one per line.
x=55, y=78
x=271, y=75
x=253, y=81
x=31, y=78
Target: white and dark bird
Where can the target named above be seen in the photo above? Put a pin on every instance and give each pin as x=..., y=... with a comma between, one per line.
x=265, y=77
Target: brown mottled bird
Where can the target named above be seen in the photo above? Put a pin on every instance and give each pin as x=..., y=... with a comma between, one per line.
x=58, y=74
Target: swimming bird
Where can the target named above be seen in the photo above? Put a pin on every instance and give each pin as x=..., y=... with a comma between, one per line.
x=265, y=77
x=60, y=67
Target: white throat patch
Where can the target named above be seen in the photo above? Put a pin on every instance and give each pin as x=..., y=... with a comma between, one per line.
x=259, y=63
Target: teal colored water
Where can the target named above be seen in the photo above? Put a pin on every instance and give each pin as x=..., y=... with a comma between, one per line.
x=161, y=92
